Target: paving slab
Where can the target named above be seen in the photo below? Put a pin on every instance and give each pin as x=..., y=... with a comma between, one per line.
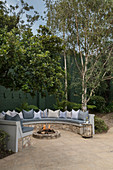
x=69, y=152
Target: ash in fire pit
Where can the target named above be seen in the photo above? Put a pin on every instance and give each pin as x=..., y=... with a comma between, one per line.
x=47, y=133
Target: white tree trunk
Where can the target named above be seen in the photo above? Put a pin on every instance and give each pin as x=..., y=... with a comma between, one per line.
x=65, y=68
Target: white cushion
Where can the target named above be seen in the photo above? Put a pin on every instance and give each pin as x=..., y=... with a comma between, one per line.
x=43, y=113
x=13, y=113
x=2, y=116
x=52, y=113
x=8, y=112
x=37, y=115
x=75, y=114
x=21, y=115
x=68, y=114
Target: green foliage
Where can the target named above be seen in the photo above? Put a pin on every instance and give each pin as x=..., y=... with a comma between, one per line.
x=87, y=33
x=4, y=137
x=109, y=108
x=26, y=107
x=100, y=126
x=70, y=105
x=91, y=107
x=28, y=62
x=39, y=66
x=99, y=102
x=12, y=16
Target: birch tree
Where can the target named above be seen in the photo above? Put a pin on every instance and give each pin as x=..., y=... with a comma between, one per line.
x=89, y=26
x=57, y=22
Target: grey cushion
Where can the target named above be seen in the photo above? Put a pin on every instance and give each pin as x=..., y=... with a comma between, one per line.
x=83, y=115
x=27, y=129
x=55, y=119
x=49, y=119
x=30, y=120
x=71, y=120
x=7, y=117
x=28, y=114
x=15, y=118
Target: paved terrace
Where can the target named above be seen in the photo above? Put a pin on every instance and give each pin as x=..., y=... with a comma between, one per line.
x=69, y=152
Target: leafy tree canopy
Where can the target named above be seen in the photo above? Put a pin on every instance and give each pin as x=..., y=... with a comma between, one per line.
x=28, y=62
x=88, y=28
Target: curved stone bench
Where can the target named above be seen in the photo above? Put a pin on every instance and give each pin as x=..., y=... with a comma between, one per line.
x=76, y=126
x=20, y=139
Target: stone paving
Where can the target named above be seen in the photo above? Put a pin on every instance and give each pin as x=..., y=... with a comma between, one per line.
x=69, y=152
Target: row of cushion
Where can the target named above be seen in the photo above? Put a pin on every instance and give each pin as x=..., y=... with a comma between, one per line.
x=78, y=115
x=17, y=118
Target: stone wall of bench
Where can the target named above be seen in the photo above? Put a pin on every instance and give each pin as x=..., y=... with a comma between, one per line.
x=26, y=142
x=78, y=129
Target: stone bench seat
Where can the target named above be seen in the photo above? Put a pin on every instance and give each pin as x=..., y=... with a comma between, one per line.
x=16, y=132
x=21, y=128
x=53, y=120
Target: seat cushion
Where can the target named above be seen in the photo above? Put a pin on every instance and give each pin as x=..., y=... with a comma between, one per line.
x=52, y=113
x=28, y=114
x=75, y=114
x=43, y=113
x=37, y=115
x=14, y=118
x=62, y=114
x=2, y=116
x=27, y=129
x=83, y=115
x=30, y=120
x=68, y=114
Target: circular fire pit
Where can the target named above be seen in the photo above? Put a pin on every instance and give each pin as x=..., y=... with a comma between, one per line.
x=46, y=133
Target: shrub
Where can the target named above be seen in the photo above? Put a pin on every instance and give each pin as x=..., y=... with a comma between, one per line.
x=26, y=107
x=4, y=137
x=99, y=102
x=70, y=105
x=100, y=126
x=109, y=108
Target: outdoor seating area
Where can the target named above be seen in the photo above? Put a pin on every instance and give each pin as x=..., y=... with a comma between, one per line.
x=23, y=127
x=56, y=85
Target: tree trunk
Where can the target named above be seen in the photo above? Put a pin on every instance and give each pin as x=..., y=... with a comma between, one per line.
x=84, y=100
x=84, y=94
x=65, y=68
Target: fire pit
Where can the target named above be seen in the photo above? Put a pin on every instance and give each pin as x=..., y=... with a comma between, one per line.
x=47, y=133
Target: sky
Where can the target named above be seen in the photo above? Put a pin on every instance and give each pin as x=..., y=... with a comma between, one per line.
x=38, y=6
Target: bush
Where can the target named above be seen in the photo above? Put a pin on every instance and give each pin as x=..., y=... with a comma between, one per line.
x=109, y=108
x=99, y=102
x=26, y=107
x=4, y=137
x=100, y=126
x=70, y=105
